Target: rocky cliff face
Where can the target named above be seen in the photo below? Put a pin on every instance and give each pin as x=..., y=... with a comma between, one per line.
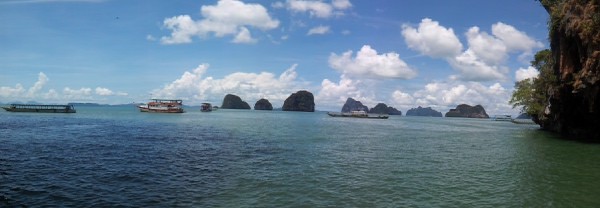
x=299, y=101
x=354, y=105
x=234, y=102
x=467, y=111
x=574, y=105
x=263, y=104
x=419, y=111
x=382, y=108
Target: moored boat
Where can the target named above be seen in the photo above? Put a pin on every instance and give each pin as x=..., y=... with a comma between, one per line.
x=358, y=114
x=40, y=108
x=162, y=106
x=206, y=107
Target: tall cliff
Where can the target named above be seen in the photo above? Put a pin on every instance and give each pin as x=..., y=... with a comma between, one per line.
x=234, y=102
x=299, y=101
x=354, y=105
x=467, y=111
x=574, y=105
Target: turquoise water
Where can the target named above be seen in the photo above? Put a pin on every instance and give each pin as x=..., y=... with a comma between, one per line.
x=117, y=156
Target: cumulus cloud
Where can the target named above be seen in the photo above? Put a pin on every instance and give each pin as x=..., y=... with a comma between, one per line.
x=529, y=72
x=228, y=17
x=244, y=36
x=472, y=68
x=196, y=87
x=486, y=55
x=107, y=92
x=42, y=80
x=16, y=91
x=83, y=93
x=368, y=63
x=432, y=39
x=334, y=94
x=316, y=8
x=103, y=91
x=319, y=30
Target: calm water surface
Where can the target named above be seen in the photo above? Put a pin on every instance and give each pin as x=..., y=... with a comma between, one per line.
x=117, y=156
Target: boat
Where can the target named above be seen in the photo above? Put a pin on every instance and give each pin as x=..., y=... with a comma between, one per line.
x=206, y=107
x=358, y=114
x=162, y=106
x=214, y=108
x=40, y=108
x=502, y=118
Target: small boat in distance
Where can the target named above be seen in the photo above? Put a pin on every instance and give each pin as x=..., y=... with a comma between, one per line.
x=502, y=118
x=40, y=108
x=206, y=107
x=162, y=106
x=358, y=114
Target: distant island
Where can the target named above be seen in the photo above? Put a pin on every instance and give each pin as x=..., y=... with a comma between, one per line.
x=353, y=105
x=234, y=102
x=380, y=108
x=420, y=111
x=300, y=101
x=467, y=111
x=263, y=104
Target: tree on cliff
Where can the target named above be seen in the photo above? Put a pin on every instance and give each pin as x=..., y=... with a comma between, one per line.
x=532, y=94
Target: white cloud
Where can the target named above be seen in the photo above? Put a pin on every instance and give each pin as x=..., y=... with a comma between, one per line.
x=8, y=92
x=529, y=72
x=341, y=4
x=486, y=55
x=42, y=80
x=514, y=39
x=432, y=39
x=196, y=87
x=473, y=69
x=368, y=63
x=228, y=17
x=244, y=36
x=346, y=32
x=107, y=92
x=83, y=93
x=486, y=48
x=319, y=30
x=333, y=95
x=317, y=8
x=401, y=98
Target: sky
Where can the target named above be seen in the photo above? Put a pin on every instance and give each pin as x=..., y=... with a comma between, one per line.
x=406, y=53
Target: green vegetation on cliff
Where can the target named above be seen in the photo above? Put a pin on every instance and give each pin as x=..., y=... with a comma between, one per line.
x=565, y=97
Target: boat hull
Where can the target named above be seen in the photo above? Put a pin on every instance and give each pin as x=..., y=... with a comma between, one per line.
x=37, y=110
x=160, y=110
x=349, y=115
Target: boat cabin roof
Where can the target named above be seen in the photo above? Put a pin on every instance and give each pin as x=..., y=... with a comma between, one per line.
x=166, y=100
x=37, y=106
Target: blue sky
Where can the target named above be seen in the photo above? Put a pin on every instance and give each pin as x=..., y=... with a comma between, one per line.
x=403, y=53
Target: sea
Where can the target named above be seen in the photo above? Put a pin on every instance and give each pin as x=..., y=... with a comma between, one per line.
x=119, y=157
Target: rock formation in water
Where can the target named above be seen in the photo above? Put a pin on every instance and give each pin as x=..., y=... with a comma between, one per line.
x=574, y=104
x=299, y=101
x=234, y=102
x=263, y=104
x=467, y=111
x=354, y=105
x=382, y=108
x=419, y=111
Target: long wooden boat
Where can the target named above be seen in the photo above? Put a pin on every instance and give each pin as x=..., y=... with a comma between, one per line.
x=40, y=108
x=358, y=114
x=162, y=106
